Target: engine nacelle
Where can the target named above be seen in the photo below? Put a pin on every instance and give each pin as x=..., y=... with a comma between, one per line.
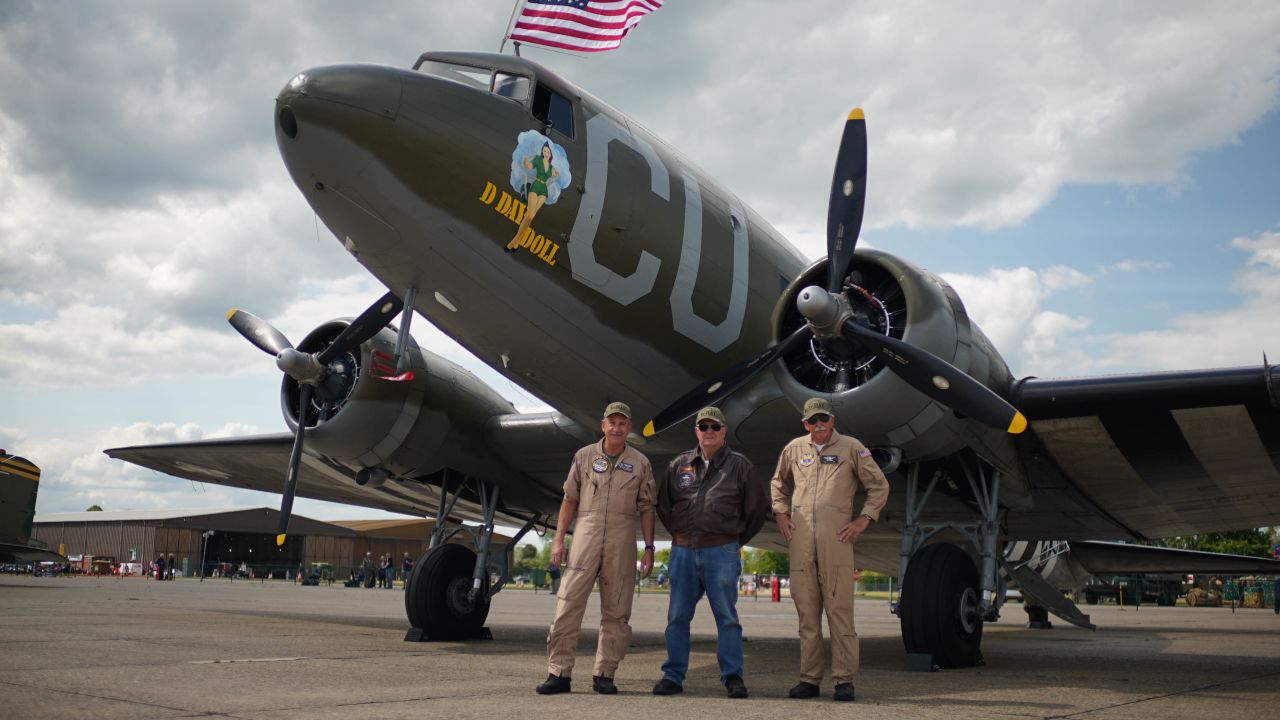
x=896, y=298
x=384, y=428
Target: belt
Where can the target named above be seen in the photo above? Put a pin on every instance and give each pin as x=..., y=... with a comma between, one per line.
x=690, y=540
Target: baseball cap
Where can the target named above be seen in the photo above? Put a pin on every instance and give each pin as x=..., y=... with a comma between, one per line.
x=813, y=406
x=618, y=408
x=710, y=413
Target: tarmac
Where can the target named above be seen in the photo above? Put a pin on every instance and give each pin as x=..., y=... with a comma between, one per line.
x=135, y=648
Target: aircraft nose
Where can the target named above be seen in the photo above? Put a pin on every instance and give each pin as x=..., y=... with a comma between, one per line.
x=371, y=88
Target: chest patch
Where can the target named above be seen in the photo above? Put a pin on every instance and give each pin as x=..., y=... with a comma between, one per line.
x=625, y=467
x=830, y=460
x=600, y=465
x=686, y=479
x=806, y=460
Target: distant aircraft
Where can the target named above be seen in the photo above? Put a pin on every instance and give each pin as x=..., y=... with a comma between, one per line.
x=19, y=485
x=637, y=277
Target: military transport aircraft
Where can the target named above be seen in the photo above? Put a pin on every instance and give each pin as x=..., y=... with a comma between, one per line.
x=586, y=260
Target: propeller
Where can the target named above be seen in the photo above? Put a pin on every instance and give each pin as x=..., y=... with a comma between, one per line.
x=831, y=321
x=309, y=369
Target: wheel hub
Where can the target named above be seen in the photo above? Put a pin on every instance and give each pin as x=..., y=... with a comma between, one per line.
x=970, y=613
x=457, y=595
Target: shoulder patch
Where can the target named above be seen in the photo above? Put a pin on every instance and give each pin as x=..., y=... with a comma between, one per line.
x=864, y=453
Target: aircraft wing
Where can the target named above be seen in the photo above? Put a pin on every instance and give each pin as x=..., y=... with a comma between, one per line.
x=1107, y=558
x=259, y=463
x=15, y=552
x=1150, y=455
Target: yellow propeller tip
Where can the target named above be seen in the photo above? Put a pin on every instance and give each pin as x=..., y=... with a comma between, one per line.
x=856, y=114
x=231, y=312
x=280, y=539
x=648, y=429
x=1018, y=423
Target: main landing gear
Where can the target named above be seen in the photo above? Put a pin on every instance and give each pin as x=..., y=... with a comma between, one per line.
x=447, y=595
x=945, y=597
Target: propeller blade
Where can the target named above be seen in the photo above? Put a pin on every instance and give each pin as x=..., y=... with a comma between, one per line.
x=713, y=391
x=295, y=458
x=373, y=319
x=848, y=198
x=940, y=380
x=258, y=331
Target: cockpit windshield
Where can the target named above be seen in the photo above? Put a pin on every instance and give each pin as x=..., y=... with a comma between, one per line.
x=497, y=82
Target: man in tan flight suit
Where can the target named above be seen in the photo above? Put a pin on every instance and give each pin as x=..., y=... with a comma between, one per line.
x=813, y=491
x=610, y=486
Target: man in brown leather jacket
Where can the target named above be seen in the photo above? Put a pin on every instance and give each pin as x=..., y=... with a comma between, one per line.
x=711, y=507
x=813, y=491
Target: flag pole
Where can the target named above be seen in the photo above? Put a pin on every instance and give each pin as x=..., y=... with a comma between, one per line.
x=506, y=35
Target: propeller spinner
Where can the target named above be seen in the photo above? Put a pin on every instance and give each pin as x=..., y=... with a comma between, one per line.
x=830, y=319
x=309, y=369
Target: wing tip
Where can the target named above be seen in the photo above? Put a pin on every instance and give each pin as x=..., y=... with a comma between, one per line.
x=280, y=540
x=856, y=114
x=648, y=429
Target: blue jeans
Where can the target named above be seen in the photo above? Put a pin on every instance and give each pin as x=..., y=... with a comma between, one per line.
x=712, y=571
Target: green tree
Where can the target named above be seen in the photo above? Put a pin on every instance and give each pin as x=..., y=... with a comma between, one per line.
x=1256, y=542
x=94, y=508
x=526, y=553
x=766, y=562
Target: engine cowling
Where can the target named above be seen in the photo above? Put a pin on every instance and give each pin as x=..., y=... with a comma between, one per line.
x=896, y=298
x=383, y=428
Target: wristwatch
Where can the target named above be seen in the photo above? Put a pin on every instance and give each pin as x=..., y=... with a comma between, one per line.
x=649, y=547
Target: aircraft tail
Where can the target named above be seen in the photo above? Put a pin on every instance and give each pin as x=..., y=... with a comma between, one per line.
x=19, y=484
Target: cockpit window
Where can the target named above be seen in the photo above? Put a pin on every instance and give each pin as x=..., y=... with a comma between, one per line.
x=465, y=74
x=515, y=87
x=553, y=109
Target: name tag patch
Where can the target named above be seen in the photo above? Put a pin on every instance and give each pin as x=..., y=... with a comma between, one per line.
x=600, y=465
x=830, y=460
x=625, y=467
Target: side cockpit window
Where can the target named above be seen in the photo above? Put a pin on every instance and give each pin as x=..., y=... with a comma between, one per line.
x=553, y=109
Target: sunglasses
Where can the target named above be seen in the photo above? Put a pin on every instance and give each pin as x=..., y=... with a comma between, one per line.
x=818, y=418
x=710, y=427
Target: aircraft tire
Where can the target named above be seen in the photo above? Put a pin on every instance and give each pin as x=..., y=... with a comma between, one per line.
x=939, y=607
x=436, y=597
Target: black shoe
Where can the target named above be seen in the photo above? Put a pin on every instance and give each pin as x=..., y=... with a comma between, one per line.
x=603, y=685
x=735, y=686
x=667, y=687
x=553, y=685
x=804, y=690
x=844, y=692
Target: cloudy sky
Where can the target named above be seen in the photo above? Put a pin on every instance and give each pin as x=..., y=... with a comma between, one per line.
x=1099, y=181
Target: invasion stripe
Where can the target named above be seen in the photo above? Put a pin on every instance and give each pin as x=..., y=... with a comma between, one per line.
x=1155, y=447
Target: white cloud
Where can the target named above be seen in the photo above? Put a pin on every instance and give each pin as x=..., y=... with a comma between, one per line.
x=1227, y=337
x=1009, y=307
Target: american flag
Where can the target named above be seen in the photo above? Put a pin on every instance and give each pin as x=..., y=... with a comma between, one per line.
x=582, y=25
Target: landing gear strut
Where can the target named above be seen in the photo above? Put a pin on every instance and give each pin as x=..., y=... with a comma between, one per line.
x=448, y=593
x=946, y=598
